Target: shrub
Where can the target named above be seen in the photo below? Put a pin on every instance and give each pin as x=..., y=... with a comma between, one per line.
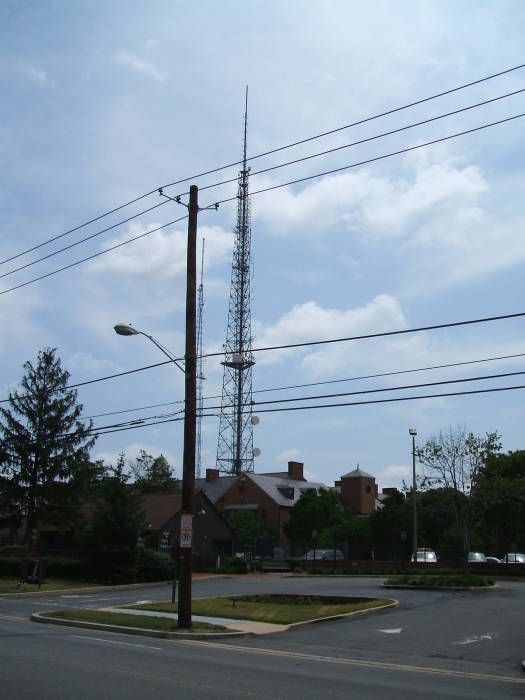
x=155, y=566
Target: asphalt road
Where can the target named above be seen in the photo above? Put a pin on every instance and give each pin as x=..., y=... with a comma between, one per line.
x=434, y=645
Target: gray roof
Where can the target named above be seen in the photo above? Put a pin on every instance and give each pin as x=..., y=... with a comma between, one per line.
x=270, y=485
x=357, y=472
x=216, y=488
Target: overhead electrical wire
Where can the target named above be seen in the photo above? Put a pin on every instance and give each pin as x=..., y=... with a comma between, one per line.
x=265, y=170
x=95, y=255
x=266, y=153
x=381, y=334
x=307, y=384
x=268, y=189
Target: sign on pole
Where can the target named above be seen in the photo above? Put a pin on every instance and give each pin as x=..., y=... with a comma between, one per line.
x=186, y=530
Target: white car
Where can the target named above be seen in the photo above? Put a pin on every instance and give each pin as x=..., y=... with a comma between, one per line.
x=424, y=555
x=325, y=554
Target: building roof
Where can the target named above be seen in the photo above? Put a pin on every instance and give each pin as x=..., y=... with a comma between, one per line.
x=357, y=473
x=272, y=485
x=215, y=488
x=160, y=507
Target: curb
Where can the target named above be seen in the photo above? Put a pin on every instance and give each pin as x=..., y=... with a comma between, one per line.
x=136, y=631
x=464, y=589
x=102, y=589
x=159, y=634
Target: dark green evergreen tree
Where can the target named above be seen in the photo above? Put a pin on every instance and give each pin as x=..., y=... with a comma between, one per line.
x=44, y=447
x=116, y=524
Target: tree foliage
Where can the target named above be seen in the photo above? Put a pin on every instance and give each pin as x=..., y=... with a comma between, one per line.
x=117, y=521
x=315, y=513
x=249, y=526
x=453, y=460
x=44, y=449
x=153, y=474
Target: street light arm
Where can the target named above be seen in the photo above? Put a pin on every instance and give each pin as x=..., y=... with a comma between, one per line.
x=163, y=350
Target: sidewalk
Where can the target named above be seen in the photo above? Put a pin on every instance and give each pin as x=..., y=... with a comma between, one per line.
x=234, y=625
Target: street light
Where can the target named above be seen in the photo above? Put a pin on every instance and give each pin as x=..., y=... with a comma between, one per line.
x=413, y=433
x=127, y=329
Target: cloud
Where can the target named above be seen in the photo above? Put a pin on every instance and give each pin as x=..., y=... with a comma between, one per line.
x=290, y=455
x=131, y=452
x=162, y=254
x=309, y=322
x=129, y=60
x=37, y=75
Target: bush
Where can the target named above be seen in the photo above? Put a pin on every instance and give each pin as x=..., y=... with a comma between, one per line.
x=155, y=566
x=74, y=569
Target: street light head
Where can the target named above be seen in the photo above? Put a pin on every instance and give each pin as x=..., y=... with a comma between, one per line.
x=125, y=329
x=412, y=431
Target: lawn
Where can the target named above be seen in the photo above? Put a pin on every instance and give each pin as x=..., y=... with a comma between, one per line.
x=264, y=609
x=101, y=617
x=9, y=585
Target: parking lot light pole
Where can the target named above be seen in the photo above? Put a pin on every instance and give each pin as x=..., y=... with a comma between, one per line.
x=413, y=433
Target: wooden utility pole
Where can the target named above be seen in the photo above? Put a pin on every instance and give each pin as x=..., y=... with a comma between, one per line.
x=190, y=417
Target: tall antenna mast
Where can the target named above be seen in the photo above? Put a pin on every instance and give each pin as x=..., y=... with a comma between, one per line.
x=200, y=374
x=235, y=443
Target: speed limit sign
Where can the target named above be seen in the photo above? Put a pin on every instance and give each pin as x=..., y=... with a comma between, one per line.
x=186, y=530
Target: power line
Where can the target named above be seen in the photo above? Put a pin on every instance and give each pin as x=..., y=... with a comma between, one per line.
x=322, y=342
x=377, y=158
x=91, y=257
x=394, y=388
x=393, y=400
x=266, y=153
x=382, y=334
x=300, y=386
x=366, y=140
x=271, y=188
x=82, y=240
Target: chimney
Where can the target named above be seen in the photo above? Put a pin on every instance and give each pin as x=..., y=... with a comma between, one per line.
x=212, y=474
x=337, y=484
x=295, y=471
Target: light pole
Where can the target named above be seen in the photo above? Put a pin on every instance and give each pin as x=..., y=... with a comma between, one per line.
x=190, y=411
x=413, y=433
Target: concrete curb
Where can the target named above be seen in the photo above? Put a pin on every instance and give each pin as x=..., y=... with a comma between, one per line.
x=137, y=631
x=454, y=589
x=102, y=589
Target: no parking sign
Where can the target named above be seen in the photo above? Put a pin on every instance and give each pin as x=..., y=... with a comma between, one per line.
x=186, y=530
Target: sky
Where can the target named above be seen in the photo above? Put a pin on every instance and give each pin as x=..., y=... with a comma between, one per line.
x=106, y=101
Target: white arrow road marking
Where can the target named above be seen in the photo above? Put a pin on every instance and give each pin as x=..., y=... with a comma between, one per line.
x=397, y=630
x=472, y=640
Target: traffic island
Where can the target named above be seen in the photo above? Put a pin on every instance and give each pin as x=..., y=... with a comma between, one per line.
x=454, y=582
x=220, y=617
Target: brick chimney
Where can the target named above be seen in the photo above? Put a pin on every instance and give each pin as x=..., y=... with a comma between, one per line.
x=212, y=474
x=295, y=471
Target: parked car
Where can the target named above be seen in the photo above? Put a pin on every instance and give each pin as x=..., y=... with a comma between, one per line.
x=319, y=554
x=514, y=558
x=477, y=557
x=424, y=555
x=493, y=560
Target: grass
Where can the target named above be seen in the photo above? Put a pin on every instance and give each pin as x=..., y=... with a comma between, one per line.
x=162, y=624
x=255, y=608
x=9, y=585
x=437, y=581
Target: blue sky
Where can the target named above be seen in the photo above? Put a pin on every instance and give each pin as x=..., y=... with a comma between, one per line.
x=105, y=101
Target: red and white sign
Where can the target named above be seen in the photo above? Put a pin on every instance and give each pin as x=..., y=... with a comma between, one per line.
x=186, y=528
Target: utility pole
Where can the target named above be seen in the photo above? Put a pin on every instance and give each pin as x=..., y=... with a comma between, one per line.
x=190, y=418
x=413, y=433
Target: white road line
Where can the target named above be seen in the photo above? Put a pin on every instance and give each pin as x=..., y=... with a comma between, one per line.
x=398, y=630
x=113, y=641
x=472, y=640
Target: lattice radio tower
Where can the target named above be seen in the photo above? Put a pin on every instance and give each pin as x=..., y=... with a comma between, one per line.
x=200, y=373
x=235, y=444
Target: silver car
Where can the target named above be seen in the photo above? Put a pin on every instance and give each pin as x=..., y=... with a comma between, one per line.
x=514, y=558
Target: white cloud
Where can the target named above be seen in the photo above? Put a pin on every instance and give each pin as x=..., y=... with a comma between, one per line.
x=291, y=455
x=309, y=322
x=161, y=256
x=132, y=451
x=128, y=59
x=37, y=75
